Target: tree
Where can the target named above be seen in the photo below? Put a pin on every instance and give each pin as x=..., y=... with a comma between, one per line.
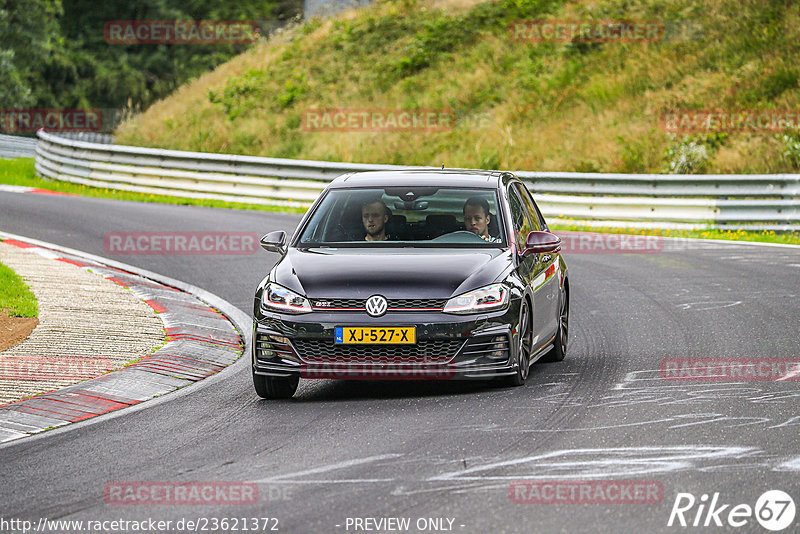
x=53, y=52
x=30, y=40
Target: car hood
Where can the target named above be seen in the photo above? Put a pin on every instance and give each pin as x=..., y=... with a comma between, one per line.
x=400, y=273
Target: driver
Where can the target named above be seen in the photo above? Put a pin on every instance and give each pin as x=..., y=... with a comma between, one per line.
x=374, y=216
x=477, y=218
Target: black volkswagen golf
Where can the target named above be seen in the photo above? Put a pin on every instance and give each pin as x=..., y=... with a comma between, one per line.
x=431, y=274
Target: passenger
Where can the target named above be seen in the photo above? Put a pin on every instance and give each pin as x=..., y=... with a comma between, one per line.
x=374, y=216
x=477, y=218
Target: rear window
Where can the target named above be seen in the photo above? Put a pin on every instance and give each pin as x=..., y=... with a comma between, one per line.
x=406, y=216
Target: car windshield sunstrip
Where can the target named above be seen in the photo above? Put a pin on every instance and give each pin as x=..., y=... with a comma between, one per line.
x=406, y=216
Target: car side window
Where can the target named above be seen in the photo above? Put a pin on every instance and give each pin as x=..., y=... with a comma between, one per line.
x=527, y=201
x=539, y=215
x=522, y=225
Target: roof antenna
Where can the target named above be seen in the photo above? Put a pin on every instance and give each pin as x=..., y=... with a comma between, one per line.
x=442, y=166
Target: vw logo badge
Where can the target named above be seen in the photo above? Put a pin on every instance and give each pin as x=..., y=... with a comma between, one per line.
x=376, y=305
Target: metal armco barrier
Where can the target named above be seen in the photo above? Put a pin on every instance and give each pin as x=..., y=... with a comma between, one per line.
x=756, y=202
x=14, y=146
x=89, y=137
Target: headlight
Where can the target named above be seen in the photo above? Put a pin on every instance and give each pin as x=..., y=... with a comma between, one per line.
x=487, y=298
x=279, y=298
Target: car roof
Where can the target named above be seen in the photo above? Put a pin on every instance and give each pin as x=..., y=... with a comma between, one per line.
x=432, y=177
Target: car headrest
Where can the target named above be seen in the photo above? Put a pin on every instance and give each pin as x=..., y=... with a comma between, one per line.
x=442, y=220
x=494, y=228
x=351, y=218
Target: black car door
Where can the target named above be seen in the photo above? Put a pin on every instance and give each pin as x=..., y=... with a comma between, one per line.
x=528, y=268
x=544, y=279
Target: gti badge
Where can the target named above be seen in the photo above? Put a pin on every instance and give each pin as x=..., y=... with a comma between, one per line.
x=376, y=305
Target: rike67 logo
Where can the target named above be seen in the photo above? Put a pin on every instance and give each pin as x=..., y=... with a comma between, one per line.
x=774, y=510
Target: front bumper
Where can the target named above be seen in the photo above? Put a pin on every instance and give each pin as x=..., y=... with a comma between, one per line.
x=448, y=346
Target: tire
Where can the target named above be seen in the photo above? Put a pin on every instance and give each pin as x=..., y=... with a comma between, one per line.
x=268, y=387
x=523, y=349
x=559, y=350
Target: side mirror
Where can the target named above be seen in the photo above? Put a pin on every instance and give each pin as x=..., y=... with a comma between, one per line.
x=274, y=242
x=541, y=242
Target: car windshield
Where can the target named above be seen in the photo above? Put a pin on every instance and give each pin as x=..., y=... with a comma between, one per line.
x=406, y=216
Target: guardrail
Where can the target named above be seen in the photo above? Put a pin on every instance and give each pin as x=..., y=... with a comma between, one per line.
x=768, y=202
x=89, y=137
x=14, y=146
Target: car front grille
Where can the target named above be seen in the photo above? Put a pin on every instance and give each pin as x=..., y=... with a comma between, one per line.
x=423, y=352
x=402, y=304
x=393, y=304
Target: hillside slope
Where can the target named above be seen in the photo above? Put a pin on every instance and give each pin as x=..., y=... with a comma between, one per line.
x=565, y=106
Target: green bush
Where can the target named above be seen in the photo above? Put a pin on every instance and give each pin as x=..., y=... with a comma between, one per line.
x=239, y=93
x=791, y=145
x=633, y=154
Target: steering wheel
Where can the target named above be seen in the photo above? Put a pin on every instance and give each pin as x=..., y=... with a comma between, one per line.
x=341, y=231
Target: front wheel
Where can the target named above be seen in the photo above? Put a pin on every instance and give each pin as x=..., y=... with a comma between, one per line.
x=523, y=348
x=268, y=387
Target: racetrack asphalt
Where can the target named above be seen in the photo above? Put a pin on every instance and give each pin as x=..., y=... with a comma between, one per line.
x=342, y=450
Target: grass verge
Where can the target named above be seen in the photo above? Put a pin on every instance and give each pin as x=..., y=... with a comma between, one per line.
x=16, y=298
x=517, y=103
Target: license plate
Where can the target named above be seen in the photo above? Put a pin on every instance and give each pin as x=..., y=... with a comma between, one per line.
x=376, y=335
